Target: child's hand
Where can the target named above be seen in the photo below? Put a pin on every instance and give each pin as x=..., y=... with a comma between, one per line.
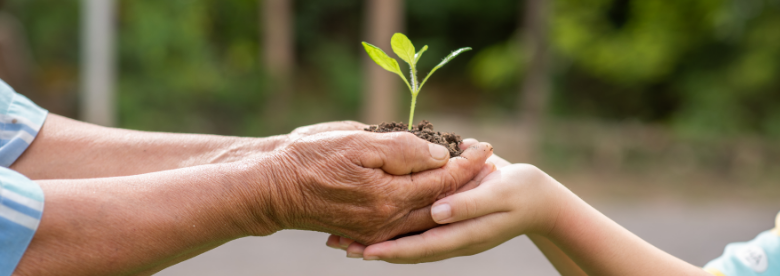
x=515, y=200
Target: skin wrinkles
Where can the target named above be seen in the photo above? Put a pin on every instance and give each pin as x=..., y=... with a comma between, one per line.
x=124, y=205
x=345, y=190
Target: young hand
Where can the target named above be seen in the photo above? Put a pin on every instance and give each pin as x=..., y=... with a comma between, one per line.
x=514, y=200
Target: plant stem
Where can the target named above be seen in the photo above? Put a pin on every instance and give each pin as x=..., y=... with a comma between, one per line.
x=411, y=112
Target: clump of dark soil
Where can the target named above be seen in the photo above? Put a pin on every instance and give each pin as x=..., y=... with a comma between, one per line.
x=425, y=131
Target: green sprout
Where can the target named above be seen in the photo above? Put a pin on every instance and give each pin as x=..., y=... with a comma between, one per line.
x=404, y=49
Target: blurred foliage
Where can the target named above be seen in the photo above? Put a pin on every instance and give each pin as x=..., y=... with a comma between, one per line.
x=189, y=65
x=702, y=67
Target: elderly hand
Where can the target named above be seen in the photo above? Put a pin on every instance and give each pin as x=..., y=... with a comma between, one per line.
x=369, y=187
x=309, y=130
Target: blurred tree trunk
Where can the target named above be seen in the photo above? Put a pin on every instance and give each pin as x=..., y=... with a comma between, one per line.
x=382, y=19
x=97, y=74
x=15, y=59
x=278, y=58
x=536, y=82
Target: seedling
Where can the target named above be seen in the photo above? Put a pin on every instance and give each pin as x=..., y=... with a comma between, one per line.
x=404, y=49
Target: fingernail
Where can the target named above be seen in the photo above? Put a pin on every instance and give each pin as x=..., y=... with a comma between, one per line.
x=371, y=258
x=438, y=151
x=333, y=246
x=354, y=255
x=441, y=212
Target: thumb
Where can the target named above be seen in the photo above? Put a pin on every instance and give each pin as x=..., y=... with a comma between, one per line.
x=401, y=153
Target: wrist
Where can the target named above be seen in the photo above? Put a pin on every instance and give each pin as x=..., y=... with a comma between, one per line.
x=268, y=193
x=551, y=202
x=569, y=209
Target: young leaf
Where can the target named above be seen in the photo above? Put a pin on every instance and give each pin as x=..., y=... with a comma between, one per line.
x=443, y=62
x=419, y=54
x=379, y=56
x=451, y=56
x=403, y=47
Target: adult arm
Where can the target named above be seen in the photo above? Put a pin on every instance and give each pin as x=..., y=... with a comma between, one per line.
x=137, y=225
x=70, y=149
x=366, y=186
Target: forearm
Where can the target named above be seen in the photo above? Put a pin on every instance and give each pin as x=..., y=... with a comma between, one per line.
x=562, y=263
x=599, y=246
x=140, y=224
x=69, y=149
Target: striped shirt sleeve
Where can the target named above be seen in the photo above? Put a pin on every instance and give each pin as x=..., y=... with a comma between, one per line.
x=21, y=200
x=20, y=121
x=21, y=207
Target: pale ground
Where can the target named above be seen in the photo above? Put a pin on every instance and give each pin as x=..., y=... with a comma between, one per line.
x=690, y=216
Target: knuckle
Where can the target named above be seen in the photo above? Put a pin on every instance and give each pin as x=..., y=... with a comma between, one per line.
x=450, y=181
x=530, y=173
x=403, y=139
x=300, y=129
x=387, y=211
x=470, y=206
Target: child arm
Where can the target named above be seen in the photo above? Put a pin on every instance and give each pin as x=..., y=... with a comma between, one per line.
x=562, y=263
x=521, y=199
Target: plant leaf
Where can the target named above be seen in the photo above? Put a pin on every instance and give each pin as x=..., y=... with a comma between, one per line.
x=443, y=62
x=451, y=56
x=419, y=54
x=403, y=47
x=379, y=56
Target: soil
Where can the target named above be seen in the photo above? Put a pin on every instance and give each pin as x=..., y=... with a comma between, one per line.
x=425, y=131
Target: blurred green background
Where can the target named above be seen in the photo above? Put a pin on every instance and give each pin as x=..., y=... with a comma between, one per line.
x=690, y=88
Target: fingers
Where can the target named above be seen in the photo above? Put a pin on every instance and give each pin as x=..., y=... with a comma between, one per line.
x=474, y=203
x=402, y=153
x=417, y=221
x=333, y=242
x=426, y=187
x=467, y=143
x=355, y=250
x=458, y=239
x=345, y=242
x=495, y=159
x=487, y=169
x=338, y=242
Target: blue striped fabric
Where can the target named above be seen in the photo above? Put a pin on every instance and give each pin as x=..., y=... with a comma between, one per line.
x=21, y=200
x=21, y=207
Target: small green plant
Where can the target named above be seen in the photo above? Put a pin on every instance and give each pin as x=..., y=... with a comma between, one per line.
x=404, y=49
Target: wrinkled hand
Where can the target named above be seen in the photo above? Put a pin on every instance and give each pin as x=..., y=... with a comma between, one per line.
x=366, y=186
x=309, y=130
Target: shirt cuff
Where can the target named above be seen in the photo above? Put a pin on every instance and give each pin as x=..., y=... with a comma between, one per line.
x=21, y=207
x=20, y=121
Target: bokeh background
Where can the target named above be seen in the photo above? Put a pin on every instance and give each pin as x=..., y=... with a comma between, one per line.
x=635, y=105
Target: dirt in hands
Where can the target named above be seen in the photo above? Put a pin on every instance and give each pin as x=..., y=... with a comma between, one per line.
x=425, y=131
